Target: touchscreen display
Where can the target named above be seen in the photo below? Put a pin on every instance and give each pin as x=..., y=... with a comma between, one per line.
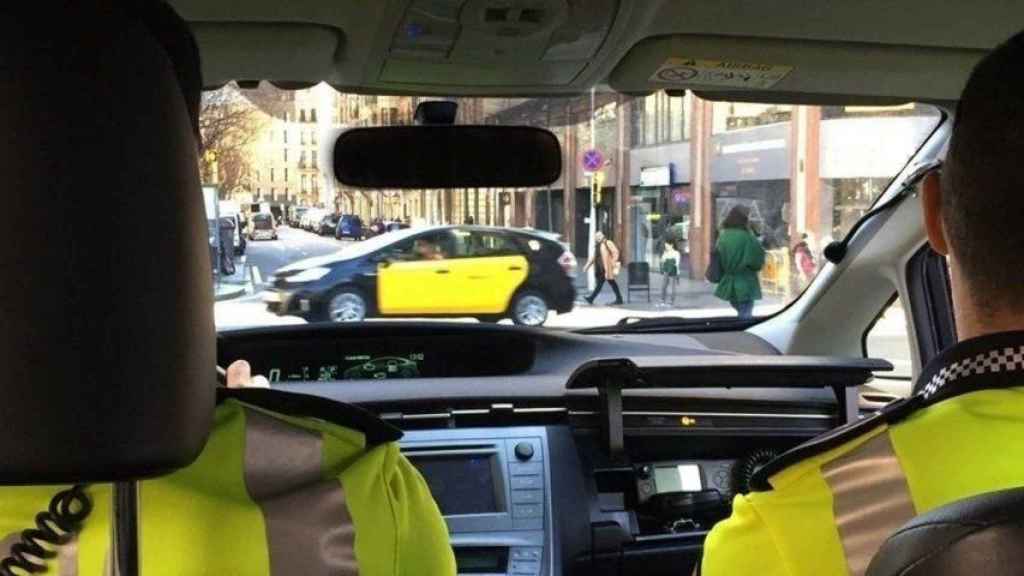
x=461, y=484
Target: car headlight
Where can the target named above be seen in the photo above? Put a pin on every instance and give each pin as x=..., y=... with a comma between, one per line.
x=308, y=275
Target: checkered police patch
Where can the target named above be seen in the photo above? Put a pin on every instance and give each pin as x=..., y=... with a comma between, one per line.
x=990, y=362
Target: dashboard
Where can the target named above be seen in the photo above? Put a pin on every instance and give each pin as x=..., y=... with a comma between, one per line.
x=523, y=464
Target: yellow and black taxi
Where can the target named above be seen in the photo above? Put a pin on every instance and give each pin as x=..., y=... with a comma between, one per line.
x=445, y=271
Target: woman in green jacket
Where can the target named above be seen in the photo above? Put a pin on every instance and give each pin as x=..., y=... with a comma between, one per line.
x=741, y=257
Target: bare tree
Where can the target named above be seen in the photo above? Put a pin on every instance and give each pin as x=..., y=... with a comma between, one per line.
x=229, y=124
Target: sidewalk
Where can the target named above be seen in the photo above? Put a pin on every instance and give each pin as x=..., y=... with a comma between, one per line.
x=690, y=295
x=234, y=286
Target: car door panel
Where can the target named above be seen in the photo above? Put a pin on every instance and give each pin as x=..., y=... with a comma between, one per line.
x=412, y=287
x=486, y=284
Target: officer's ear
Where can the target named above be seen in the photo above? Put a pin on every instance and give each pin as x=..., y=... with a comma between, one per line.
x=931, y=205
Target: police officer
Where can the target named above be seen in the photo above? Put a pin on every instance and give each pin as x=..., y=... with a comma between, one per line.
x=826, y=507
x=286, y=483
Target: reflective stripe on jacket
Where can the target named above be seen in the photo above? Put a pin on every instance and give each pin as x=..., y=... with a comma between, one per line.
x=270, y=494
x=830, y=507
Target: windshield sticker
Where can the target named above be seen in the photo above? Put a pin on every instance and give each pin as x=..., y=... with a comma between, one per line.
x=719, y=73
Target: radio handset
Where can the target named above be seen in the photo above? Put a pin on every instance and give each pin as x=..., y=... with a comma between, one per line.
x=56, y=526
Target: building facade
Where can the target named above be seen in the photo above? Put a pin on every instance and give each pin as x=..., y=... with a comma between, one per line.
x=672, y=167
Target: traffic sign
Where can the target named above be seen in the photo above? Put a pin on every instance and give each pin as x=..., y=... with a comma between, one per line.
x=593, y=160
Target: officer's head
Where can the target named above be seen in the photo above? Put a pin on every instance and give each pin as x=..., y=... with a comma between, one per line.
x=973, y=210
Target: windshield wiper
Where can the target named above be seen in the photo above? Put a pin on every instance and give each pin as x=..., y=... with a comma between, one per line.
x=637, y=324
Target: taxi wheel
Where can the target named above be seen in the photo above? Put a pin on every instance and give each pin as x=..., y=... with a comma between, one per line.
x=529, y=308
x=346, y=305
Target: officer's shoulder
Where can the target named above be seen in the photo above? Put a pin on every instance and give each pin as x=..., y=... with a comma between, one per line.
x=375, y=430
x=829, y=441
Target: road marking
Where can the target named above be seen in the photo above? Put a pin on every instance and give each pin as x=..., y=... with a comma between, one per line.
x=257, y=279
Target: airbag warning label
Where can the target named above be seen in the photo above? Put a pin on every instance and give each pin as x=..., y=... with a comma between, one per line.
x=719, y=73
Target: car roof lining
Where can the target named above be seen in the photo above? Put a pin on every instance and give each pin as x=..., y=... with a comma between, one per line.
x=860, y=51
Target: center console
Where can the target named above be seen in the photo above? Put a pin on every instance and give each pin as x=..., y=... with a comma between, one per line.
x=493, y=488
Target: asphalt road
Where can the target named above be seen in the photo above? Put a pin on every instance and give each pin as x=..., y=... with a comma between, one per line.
x=292, y=245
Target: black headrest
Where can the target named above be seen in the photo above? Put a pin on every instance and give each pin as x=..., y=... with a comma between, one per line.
x=975, y=536
x=106, y=308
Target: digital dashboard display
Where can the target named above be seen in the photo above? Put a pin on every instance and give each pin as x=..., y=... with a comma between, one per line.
x=353, y=367
x=327, y=360
x=461, y=484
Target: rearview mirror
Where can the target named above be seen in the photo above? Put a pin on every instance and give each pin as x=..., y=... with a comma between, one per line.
x=447, y=157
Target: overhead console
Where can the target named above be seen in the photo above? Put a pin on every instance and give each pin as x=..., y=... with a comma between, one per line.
x=549, y=41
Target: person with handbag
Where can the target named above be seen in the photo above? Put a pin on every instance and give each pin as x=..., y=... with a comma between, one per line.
x=740, y=258
x=606, y=267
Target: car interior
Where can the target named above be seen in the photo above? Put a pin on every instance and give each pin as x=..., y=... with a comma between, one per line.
x=606, y=450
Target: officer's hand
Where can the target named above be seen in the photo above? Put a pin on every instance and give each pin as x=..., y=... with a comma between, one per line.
x=240, y=376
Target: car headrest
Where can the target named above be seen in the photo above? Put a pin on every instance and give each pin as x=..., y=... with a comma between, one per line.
x=979, y=535
x=106, y=308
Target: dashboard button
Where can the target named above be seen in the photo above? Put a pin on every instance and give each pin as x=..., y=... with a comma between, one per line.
x=525, y=567
x=531, y=469
x=527, y=496
x=524, y=451
x=527, y=511
x=527, y=523
x=526, y=482
x=524, y=553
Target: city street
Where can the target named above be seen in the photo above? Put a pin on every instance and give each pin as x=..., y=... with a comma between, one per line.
x=888, y=340
x=262, y=258
x=292, y=244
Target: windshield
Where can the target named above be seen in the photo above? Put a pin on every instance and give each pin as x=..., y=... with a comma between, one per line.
x=666, y=206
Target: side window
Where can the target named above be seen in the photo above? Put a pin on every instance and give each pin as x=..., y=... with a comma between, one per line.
x=436, y=246
x=889, y=339
x=495, y=245
x=483, y=244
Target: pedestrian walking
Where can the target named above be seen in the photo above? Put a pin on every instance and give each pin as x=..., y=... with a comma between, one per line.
x=606, y=267
x=804, y=259
x=741, y=258
x=669, y=274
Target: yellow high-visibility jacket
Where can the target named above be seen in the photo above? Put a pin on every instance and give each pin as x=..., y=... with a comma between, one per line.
x=286, y=484
x=825, y=508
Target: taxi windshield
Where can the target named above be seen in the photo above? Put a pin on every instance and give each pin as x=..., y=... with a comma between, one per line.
x=667, y=206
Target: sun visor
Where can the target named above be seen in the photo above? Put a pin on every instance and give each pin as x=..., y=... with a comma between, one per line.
x=107, y=341
x=250, y=50
x=783, y=70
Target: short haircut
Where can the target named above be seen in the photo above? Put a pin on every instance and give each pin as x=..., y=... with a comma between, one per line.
x=983, y=180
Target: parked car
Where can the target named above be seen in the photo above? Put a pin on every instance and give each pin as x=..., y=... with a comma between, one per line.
x=349, y=226
x=311, y=219
x=295, y=216
x=263, y=227
x=328, y=225
x=445, y=271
